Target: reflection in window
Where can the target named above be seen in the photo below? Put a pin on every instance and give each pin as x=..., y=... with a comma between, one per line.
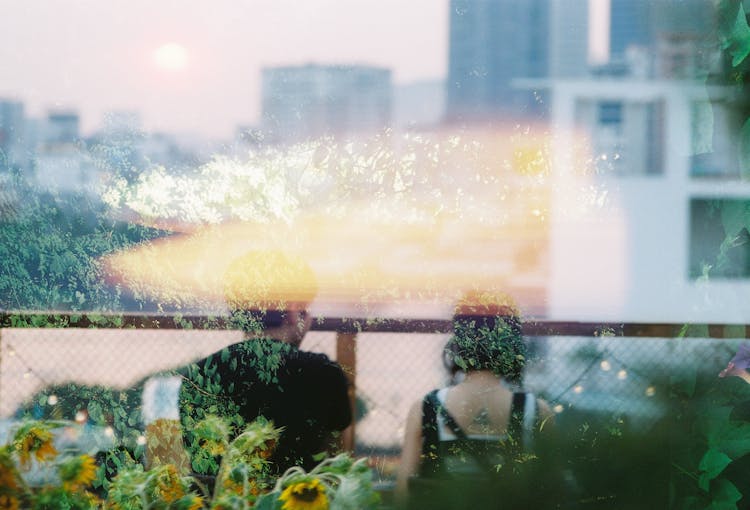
x=719, y=158
x=719, y=241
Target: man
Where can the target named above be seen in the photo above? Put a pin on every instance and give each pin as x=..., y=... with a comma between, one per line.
x=266, y=374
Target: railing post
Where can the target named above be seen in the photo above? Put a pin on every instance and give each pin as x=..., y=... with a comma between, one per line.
x=346, y=356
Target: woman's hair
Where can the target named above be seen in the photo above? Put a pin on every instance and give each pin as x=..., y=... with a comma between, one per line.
x=487, y=336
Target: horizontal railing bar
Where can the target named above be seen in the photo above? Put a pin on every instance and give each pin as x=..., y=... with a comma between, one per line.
x=365, y=325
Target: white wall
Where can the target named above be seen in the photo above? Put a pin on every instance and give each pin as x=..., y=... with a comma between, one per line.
x=620, y=244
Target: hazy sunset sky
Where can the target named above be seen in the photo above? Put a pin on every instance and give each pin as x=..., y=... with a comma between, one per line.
x=95, y=56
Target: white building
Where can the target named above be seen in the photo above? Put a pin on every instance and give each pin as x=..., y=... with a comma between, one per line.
x=643, y=172
x=304, y=102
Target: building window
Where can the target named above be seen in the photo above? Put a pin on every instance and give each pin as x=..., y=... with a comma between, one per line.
x=719, y=238
x=714, y=128
x=626, y=137
x=610, y=113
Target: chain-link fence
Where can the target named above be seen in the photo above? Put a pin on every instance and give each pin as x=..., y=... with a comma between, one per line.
x=623, y=378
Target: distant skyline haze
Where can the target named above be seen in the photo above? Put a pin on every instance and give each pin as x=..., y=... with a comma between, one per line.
x=194, y=67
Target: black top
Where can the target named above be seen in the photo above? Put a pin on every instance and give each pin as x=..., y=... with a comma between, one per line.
x=471, y=472
x=465, y=455
x=304, y=392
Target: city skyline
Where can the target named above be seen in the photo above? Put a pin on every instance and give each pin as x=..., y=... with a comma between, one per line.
x=62, y=56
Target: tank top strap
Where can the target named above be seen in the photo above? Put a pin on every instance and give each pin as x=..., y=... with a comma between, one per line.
x=522, y=420
x=429, y=432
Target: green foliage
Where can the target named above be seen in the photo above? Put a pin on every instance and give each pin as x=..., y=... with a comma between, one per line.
x=95, y=405
x=709, y=437
x=49, y=254
x=709, y=440
x=604, y=460
x=734, y=36
x=159, y=488
x=57, y=498
x=498, y=348
x=33, y=440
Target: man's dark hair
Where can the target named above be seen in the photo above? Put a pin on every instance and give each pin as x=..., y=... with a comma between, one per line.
x=254, y=321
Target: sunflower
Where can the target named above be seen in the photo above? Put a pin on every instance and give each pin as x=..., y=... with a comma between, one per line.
x=307, y=494
x=10, y=481
x=78, y=472
x=34, y=438
x=9, y=477
x=9, y=502
x=167, y=484
x=240, y=487
x=267, y=449
x=189, y=502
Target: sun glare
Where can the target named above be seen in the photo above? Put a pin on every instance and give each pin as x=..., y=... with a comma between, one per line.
x=171, y=57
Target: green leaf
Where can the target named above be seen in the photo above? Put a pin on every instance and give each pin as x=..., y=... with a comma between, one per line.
x=712, y=424
x=724, y=495
x=732, y=438
x=95, y=412
x=269, y=501
x=738, y=41
x=735, y=215
x=684, y=382
x=713, y=463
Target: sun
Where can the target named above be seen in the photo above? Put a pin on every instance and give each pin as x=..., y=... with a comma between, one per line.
x=171, y=57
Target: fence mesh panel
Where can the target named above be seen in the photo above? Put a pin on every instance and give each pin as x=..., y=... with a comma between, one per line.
x=614, y=376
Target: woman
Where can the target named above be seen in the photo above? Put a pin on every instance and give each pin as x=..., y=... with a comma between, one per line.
x=478, y=429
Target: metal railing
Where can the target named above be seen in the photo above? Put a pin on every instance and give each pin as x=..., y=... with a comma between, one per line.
x=390, y=362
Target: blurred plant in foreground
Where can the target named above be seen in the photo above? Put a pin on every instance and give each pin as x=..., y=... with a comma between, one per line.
x=33, y=474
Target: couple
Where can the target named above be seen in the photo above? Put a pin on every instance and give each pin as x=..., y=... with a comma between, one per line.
x=481, y=417
x=478, y=425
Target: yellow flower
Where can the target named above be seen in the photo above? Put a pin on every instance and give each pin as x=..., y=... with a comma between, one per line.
x=189, y=502
x=9, y=477
x=78, y=472
x=267, y=449
x=8, y=502
x=305, y=495
x=36, y=440
x=238, y=487
x=168, y=485
x=196, y=503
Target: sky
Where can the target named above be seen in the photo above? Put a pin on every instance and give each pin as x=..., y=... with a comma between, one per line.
x=97, y=56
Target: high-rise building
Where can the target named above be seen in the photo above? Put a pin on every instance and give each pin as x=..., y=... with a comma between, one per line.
x=685, y=38
x=661, y=38
x=13, y=154
x=568, y=39
x=492, y=44
x=303, y=102
x=62, y=127
x=630, y=27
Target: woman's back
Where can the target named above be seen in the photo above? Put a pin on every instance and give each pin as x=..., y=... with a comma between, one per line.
x=474, y=427
x=475, y=442
x=466, y=444
x=480, y=404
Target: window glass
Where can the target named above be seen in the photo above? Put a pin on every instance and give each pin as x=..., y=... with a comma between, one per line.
x=168, y=168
